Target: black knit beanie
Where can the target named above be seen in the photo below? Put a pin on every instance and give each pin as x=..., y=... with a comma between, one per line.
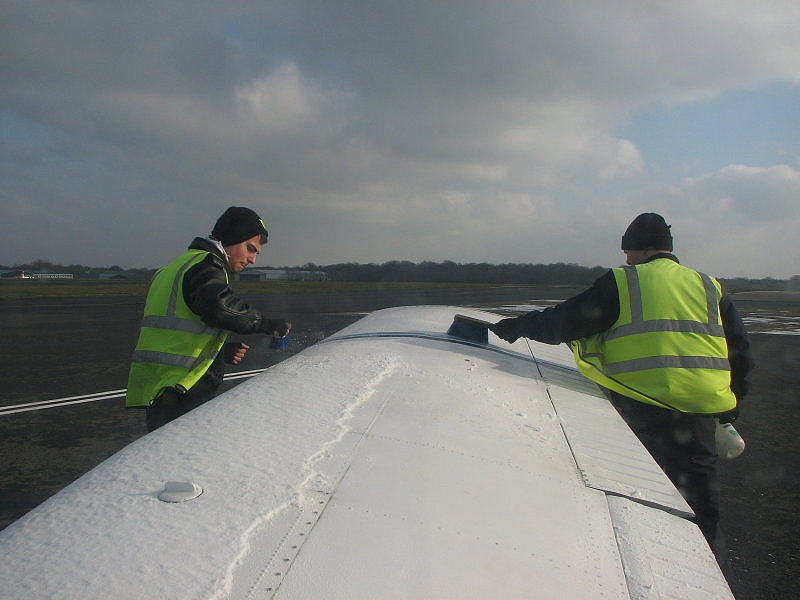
x=238, y=224
x=648, y=231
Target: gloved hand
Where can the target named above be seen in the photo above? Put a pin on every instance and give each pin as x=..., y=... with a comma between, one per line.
x=506, y=329
x=730, y=416
x=276, y=327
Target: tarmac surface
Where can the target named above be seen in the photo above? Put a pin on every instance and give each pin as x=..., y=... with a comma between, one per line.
x=54, y=348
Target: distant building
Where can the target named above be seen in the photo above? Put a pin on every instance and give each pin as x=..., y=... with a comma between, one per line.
x=263, y=275
x=22, y=274
x=281, y=275
x=308, y=276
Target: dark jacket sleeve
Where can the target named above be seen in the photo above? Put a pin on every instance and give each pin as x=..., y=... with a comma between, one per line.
x=592, y=311
x=208, y=294
x=739, y=354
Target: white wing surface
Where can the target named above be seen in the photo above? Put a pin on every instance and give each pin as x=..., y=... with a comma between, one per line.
x=389, y=461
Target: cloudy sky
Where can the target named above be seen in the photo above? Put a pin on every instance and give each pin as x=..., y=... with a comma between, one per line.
x=368, y=131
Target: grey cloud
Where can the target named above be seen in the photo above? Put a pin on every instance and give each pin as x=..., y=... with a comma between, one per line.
x=757, y=194
x=398, y=120
x=735, y=221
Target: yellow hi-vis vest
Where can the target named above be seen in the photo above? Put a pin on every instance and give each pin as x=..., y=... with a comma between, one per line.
x=175, y=347
x=667, y=347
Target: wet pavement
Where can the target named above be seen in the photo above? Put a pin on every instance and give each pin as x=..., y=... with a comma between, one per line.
x=57, y=348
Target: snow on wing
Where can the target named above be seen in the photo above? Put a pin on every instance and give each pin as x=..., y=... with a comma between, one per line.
x=393, y=460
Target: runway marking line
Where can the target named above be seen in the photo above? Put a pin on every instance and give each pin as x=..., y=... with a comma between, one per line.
x=109, y=395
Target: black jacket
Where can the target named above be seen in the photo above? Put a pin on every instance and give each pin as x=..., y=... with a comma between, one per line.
x=597, y=309
x=207, y=293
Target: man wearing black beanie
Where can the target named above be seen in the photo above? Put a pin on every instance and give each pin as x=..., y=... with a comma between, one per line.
x=668, y=348
x=178, y=363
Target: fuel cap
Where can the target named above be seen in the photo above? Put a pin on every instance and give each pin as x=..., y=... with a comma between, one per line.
x=179, y=491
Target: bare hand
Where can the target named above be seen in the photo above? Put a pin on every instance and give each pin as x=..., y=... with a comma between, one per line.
x=236, y=354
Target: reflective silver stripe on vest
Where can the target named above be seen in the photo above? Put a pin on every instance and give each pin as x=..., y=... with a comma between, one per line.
x=165, y=358
x=671, y=325
x=178, y=324
x=634, y=294
x=639, y=325
x=667, y=362
x=170, y=321
x=711, y=299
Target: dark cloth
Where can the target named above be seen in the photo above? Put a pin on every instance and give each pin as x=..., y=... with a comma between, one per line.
x=592, y=311
x=238, y=224
x=682, y=444
x=648, y=231
x=596, y=309
x=171, y=404
x=685, y=448
x=740, y=356
x=207, y=293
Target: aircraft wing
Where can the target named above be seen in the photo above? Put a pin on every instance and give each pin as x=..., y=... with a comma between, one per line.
x=392, y=460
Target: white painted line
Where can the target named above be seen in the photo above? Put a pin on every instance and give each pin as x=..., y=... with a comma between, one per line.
x=109, y=395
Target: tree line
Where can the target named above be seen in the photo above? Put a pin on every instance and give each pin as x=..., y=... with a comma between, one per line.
x=507, y=273
x=452, y=272
x=81, y=271
x=438, y=272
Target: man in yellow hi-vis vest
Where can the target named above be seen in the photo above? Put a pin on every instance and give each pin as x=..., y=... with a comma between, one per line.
x=179, y=359
x=671, y=351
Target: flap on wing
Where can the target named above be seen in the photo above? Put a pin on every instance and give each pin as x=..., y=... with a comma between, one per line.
x=664, y=557
x=608, y=454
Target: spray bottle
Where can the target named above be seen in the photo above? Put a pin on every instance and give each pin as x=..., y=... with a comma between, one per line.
x=729, y=443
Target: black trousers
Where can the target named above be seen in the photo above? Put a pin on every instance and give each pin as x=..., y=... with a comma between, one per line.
x=684, y=446
x=171, y=404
